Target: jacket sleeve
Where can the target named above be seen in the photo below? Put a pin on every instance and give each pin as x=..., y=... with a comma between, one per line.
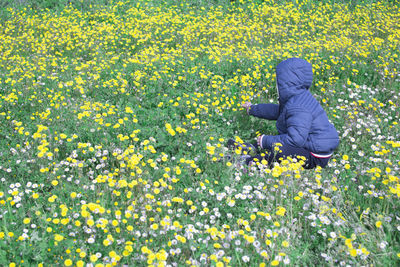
x=298, y=123
x=265, y=111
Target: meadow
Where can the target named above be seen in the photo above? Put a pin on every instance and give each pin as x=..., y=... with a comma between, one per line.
x=114, y=117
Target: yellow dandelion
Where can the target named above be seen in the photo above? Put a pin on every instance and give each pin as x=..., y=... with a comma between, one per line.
x=274, y=262
x=93, y=258
x=58, y=237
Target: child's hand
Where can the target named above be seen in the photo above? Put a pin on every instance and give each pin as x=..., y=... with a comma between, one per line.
x=247, y=105
x=259, y=140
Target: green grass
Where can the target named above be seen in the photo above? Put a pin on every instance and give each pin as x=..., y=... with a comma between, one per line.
x=114, y=117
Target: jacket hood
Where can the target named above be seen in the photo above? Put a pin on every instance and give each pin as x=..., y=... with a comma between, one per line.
x=293, y=76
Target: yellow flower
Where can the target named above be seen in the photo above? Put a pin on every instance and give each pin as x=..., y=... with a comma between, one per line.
x=275, y=263
x=251, y=239
x=264, y=254
x=68, y=262
x=281, y=211
x=145, y=250
x=93, y=258
x=58, y=237
x=353, y=252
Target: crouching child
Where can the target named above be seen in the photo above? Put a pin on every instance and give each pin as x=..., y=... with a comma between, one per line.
x=303, y=126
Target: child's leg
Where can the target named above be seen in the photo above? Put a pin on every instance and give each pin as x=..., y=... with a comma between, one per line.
x=288, y=151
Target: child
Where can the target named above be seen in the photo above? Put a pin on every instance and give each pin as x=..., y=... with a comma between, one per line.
x=303, y=126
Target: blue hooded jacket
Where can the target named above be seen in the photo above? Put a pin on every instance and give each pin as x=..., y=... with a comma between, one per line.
x=300, y=119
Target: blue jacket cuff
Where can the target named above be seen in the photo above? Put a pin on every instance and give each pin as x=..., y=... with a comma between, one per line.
x=266, y=142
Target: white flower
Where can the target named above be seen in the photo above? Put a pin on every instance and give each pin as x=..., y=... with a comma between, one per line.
x=312, y=217
x=383, y=244
x=247, y=187
x=246, y=258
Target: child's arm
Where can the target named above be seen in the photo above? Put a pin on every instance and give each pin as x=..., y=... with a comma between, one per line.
x=298, y=123
x=264, y=111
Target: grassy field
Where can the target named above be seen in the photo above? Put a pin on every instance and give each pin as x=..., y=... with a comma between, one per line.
x=114, y=117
